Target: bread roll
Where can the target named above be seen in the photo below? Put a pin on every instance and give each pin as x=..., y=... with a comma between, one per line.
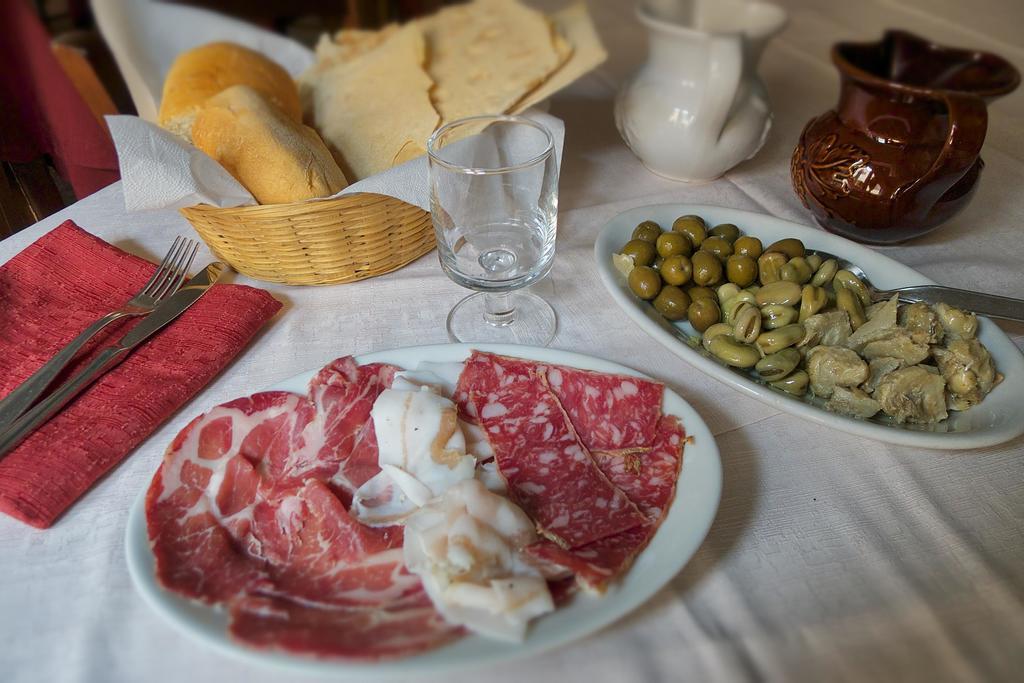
x=275, y=158
x=202, y=72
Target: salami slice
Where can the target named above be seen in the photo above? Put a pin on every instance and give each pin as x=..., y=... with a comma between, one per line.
x=248, y=510
x=609, y=412
x=649, y=479
x=549, y=472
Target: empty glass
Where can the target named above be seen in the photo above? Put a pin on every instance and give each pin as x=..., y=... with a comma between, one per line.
x=494, y=203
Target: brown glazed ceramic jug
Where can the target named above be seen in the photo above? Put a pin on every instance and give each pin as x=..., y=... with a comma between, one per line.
x=899, y=154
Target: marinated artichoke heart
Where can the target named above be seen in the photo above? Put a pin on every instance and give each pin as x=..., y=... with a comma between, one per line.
x=896, y=343
x=879, y=368
x=922, y=323
x=881, y=322
x=956, y=323
x=913, y=394
x=832, y=366
x=966, y=365
x=826, y=329
x=853, y=402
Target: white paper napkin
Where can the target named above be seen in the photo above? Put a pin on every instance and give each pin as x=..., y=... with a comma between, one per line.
x=159, y=170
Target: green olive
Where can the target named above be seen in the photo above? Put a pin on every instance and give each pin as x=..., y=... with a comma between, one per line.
x=714, y=331
x=812, y=300
x=781, y=292
x=846, y=279
x=727, y=231
x=777, y=365
x=732, y=352
x=780, y=338
x=718, y=246
x=676, y=270
x=825, y=272
x=741, y=270
x=643, y=253
x=703, y=313
x=777, y=315
x=748, y=245
x=746, y=323
x=647, y=231
x=672, y=302
x=693, y=227
x=645, y=282
x=707, y=269
x=674, y=244
x=795, y=383
x=791, y=247
x=768, y=266
x=698, y=292
x=814, y=261
x=847, y=301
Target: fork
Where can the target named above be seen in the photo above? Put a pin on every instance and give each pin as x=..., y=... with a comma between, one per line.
x=166, y=280
x=986, y=304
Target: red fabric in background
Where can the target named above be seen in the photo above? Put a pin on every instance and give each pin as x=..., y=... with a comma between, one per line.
x=41, y=112
x=48, y=294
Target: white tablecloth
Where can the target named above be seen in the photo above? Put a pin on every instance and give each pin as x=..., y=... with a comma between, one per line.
x=831, y=558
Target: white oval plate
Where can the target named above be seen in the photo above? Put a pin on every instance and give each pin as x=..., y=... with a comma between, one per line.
x=999, y=418
x=681, y=533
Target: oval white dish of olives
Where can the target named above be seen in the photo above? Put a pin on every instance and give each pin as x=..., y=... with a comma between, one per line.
x=749, y=299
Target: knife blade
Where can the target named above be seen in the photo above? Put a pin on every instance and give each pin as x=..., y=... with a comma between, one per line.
x=166, y=312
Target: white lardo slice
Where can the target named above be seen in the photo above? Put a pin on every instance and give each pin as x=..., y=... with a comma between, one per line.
x=422, y=452
x=487, y=473
x=465, y=546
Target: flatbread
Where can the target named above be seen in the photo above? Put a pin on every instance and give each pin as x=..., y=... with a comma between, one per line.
x=375, y=110
x=575, y=27
x=486, y=55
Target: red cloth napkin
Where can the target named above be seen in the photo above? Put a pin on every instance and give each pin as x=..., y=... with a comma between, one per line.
x=48, y=294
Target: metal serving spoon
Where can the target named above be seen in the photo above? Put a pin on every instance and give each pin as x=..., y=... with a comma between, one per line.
x=989, y=305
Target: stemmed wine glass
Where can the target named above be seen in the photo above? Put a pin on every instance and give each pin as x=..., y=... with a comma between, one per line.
x=494, y=203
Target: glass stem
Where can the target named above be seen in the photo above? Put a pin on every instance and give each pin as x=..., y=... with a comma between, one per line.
x=499, y=310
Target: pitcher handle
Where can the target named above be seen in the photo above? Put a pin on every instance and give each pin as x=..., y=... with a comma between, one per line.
x=725, y=69
x=968, y=122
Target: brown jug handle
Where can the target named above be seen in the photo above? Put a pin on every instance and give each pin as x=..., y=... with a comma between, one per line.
x=968, y=122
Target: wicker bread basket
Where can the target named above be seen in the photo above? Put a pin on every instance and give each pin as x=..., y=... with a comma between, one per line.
x=317, y=242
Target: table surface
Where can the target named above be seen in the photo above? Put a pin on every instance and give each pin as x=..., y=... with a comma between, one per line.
x=831, y=557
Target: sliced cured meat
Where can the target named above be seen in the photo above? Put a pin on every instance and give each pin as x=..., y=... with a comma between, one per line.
x=609, y=412
x=200, y=549
x=245, y=511
x=649, y=479
x=316, y=552
x=366, y=634
x=549, y=473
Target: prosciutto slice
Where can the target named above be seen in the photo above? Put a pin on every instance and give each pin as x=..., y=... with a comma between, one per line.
x=549, y=472
x=648, y=477
x=249, y=510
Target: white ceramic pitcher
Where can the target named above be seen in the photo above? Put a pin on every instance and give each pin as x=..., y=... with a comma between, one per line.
x=697, y=107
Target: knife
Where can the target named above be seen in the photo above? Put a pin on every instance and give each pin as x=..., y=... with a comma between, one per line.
x=107, y=359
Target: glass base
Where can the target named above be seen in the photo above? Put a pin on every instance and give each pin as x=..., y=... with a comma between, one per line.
x=508, y=318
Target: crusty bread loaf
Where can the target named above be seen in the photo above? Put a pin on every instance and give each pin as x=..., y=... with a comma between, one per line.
x=275, y=158
x=202, y=72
